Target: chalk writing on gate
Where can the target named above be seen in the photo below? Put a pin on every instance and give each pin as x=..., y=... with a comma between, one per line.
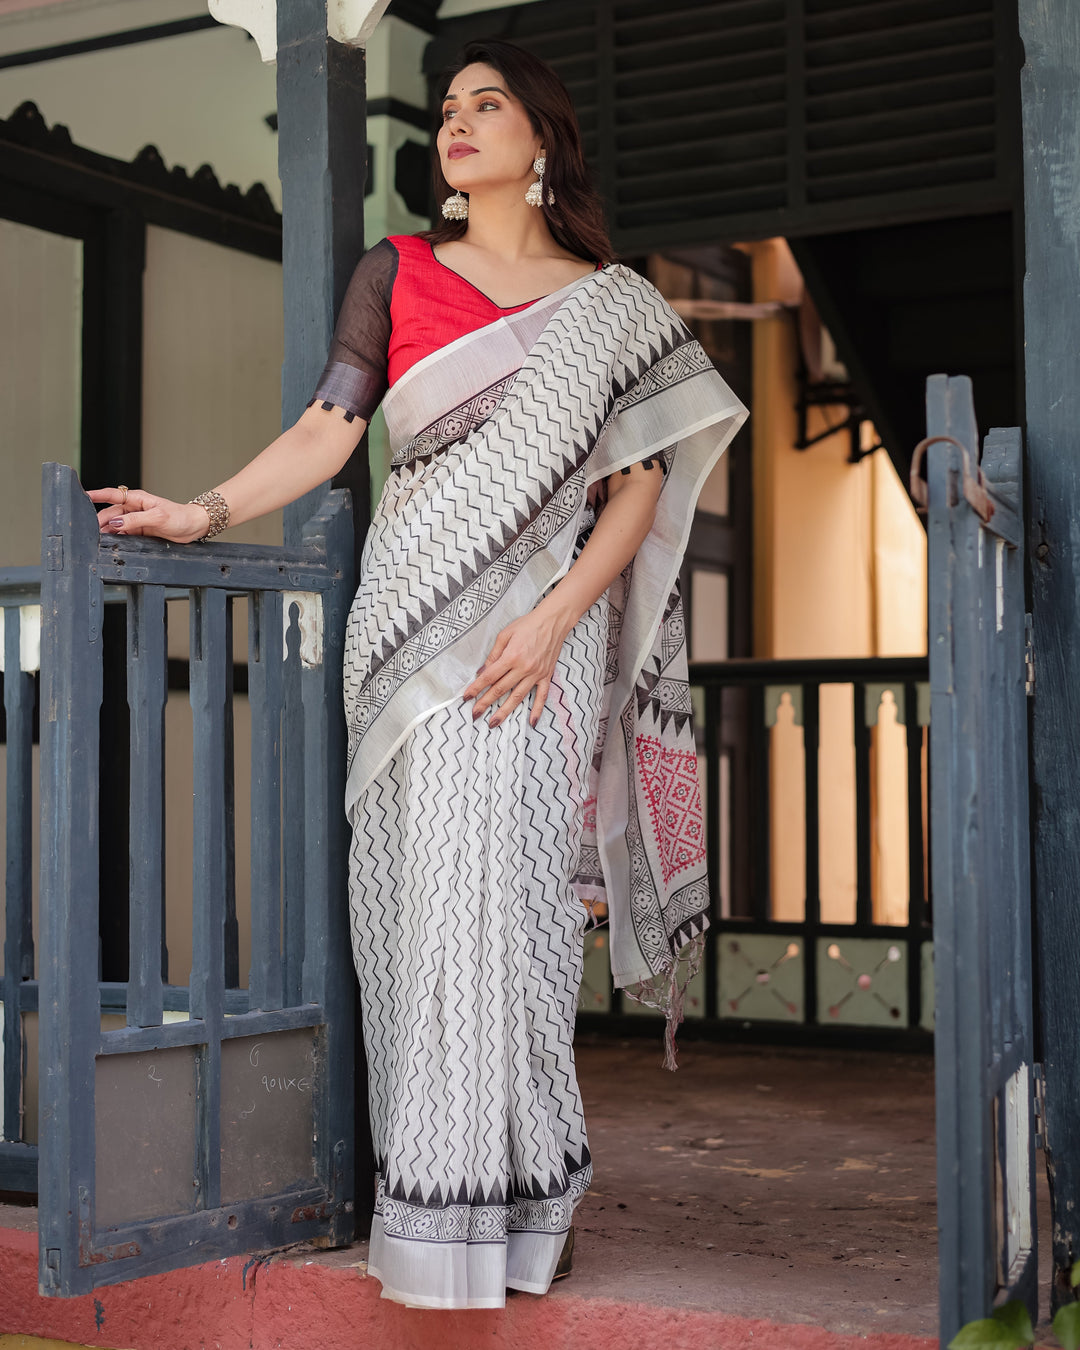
x=284, y=1083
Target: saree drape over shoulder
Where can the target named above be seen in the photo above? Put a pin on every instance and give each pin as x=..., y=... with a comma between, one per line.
x=474, y=846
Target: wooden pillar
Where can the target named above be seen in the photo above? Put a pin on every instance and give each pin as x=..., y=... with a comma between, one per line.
x=1050, y=30
x=322, y=164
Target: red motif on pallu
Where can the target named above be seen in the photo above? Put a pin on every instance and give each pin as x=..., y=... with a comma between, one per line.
x=670, y=783
x=589, y=819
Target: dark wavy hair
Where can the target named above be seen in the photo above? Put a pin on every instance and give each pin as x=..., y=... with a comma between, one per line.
x=576, y=221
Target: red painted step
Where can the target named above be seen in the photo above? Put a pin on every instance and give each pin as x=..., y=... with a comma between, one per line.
x=325, y=1301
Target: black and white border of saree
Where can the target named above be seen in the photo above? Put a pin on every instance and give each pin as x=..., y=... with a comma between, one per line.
x=462, y=1219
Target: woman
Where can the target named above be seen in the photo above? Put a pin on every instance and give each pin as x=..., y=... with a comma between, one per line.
x=515, y=672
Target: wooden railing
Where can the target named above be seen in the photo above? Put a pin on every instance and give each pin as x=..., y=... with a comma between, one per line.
x=815, y=784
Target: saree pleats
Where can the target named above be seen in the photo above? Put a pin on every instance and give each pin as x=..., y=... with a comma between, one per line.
x=467, y=936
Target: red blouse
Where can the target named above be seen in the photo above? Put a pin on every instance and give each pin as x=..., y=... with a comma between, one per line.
x=401, y=304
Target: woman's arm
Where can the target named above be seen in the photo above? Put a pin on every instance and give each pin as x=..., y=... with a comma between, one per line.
x=524, y=653
x=311, y=451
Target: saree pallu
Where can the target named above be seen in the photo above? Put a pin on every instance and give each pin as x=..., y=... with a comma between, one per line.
x=474, y=846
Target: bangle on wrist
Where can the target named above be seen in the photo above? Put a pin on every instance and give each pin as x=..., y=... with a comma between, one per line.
x=216, y=508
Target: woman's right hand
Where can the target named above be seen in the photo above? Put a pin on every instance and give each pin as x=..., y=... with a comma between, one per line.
x=132, y=511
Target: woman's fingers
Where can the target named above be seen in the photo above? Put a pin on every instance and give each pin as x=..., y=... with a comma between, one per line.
x=141, y=513
x=114, y=496
x=539, y=699
x=127, y=499
x=496, y=691
x=126, y=510
x=490, y=670
x=522, y=659
x=514, y=699
x=134, y=522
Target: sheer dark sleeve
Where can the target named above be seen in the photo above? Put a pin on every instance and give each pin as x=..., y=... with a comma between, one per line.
x=354, y=377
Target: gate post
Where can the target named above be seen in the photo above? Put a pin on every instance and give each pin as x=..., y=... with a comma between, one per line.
x=322, y=161
x=72, y=609
x=1050, y=30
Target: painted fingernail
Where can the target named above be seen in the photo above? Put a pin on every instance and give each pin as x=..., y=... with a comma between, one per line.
x=117, y=523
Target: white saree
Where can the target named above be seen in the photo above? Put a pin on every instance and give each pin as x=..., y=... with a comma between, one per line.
x=473, y=846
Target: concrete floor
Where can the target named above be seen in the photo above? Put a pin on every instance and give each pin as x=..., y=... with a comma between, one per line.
x=792, y=1185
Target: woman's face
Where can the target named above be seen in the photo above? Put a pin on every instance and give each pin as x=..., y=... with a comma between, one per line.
x=486, y=138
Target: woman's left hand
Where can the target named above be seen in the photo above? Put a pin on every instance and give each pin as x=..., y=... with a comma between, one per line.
x=522, y=658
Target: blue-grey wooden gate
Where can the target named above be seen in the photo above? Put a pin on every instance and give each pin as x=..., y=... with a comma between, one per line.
x=979, y=858
x=167, y=1142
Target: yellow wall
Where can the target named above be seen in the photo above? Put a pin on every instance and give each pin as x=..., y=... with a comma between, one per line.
x=839, y=570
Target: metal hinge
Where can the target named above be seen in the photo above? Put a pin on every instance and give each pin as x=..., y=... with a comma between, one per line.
x=1039, y=1087
x=1029, y=655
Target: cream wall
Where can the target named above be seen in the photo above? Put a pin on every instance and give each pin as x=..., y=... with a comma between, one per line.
x=40, y=375
x=213, y=339
x=839, y=570
x=201, y=98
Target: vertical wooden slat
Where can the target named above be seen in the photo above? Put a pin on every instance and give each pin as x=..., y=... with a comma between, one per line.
x=18, y=927
x=864, y=900
x=295, y=813
x=761, y=884
x=317, y=842
x=713, y=804
x=147, y=667
x=812, y=912
x=328, y=976
x=1003, y=465
x=232, y=930
x=737, y=734
x=795, y=107
x=71, y=683
x=114, y=873
x=265, y=685
x=964, y=1145
x=811, y=692
x=916, y=915
x=207, y=990
x=917, y=910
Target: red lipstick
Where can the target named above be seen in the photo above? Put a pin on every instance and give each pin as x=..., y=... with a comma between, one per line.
x=456, y=151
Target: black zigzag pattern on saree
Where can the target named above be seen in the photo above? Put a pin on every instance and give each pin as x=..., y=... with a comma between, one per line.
x=417, y=612
x=451, y=1137
x=454, y=425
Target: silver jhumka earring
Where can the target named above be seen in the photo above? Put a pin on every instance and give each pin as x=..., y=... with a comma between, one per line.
x=456, y=207
x=535, y=193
